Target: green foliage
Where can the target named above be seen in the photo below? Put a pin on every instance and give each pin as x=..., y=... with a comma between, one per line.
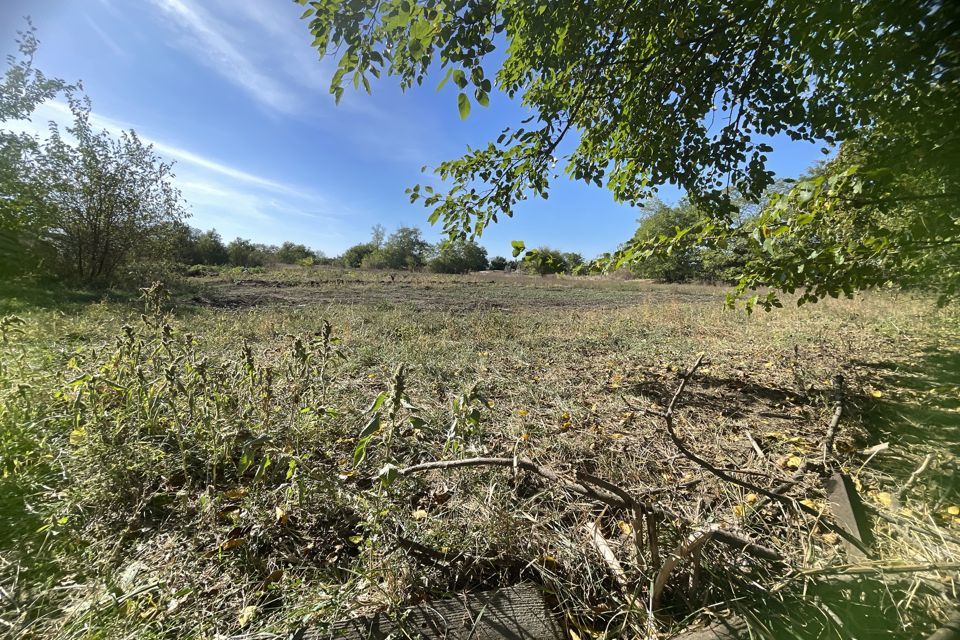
x=459, y=256
x=292, y=253
x=25, y=215
x=87, y=199
x=498, y=263
x=404, y=249
x=544, y=261
x=355, y=255
x=633, y=96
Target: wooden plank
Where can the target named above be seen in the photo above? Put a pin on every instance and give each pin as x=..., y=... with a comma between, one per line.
x=846, y=506
x=515, y=613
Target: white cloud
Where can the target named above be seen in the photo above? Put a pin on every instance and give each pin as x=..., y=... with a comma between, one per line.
x=211, y=42
x=235, y=201
x=107, y=40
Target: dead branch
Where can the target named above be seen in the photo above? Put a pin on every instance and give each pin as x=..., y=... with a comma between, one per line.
x=723, y=475
x=915, y=475
x=685, y=549
x=619, y=499
x=609, y=557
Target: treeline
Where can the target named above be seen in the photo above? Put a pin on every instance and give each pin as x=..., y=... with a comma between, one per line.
x=707, y=261
x=406, y=249
x=190, y=246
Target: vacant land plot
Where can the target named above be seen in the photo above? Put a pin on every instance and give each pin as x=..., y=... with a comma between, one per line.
x=226, y=460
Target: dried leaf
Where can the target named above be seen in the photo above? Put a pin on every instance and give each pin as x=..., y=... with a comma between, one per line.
x=247, y=614
x=233, y=542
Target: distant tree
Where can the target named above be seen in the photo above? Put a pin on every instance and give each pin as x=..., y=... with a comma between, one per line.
x=209, y=249
x=544, y=261
x=290, y=253
x=377, y=235
x=459, y=256
x=404, y=249
x=244, y=253
x=573, y=262
x=498, y=263
x=684, y=263
x=353, y=257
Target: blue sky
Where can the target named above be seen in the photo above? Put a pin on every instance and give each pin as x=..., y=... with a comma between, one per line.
x=232, y=92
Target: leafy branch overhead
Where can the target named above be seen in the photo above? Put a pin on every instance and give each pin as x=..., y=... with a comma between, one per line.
x=635, y=95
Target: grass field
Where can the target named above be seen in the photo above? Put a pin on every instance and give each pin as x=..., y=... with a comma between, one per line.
x=208, y=463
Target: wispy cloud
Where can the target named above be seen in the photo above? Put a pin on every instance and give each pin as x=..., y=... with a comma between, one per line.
x=211, y=43
x=107, y=40
x=233, y=199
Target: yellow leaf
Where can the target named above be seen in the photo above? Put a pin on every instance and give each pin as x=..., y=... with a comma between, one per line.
x=235, y=494
x=419, y=514
x=233, y=542
x=522, y=413
x=884, y=498
x=525, y=437
x=794, y=462
x=739, y=510
x=750, y=498
x=281, y=515
x=625, y=528
x=247, y=614
x=768, y=365
x=77, y=436
x=953, y=510
x=876, y=394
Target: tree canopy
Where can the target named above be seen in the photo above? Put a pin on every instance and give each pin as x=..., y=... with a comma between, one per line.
x=636, y=95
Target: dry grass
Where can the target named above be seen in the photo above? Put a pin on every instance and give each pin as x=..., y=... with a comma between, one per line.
x=160, y=526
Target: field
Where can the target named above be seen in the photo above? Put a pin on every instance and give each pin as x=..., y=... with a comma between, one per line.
x=218, y=461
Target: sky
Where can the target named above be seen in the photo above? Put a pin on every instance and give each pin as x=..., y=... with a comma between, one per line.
x=233, y=93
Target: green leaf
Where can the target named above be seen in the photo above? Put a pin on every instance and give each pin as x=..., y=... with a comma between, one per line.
x=445, y=78
x=518, y=247
x=371, y=427
x=388, y=474
x=463, y=104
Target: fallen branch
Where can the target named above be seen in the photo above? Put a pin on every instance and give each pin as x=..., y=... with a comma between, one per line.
x=614, y=496
x=915, y=475
x=835, y=421
x=723, y=475
x=685, y=549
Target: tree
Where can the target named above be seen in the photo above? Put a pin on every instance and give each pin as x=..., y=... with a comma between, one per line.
x=354, y=256
x=404, y=249
x=291, y=253
x=544, y=261
x=87, y=199
x=637, y=95
x=682, y=263
x=573, y=261
x=209, y=249
x=459, y=256
x=26, y=216
x=498, y=263
x=243, y=253
x=112, y=197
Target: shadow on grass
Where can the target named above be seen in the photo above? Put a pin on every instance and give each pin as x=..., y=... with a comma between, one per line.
x=22, y=294
x=921, y=415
